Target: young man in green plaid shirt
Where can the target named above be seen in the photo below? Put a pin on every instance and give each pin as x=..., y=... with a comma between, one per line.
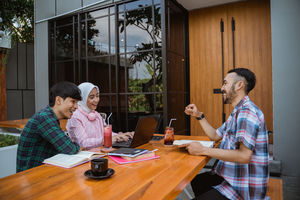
x=42, y=136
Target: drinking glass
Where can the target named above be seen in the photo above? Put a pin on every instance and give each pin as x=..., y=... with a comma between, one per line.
x=169, y=136
x=107, y=136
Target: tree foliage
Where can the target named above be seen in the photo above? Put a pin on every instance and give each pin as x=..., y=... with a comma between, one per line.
x=18, y=19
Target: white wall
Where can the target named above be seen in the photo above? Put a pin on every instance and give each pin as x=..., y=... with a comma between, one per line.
x=285, y=26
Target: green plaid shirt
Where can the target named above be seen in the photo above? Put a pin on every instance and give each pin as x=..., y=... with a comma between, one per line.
x=42, y=138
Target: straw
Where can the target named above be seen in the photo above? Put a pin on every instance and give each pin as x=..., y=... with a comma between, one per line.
x=171, y=121
x=108, y=118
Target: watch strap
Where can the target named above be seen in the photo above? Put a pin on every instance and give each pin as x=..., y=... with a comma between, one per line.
x=201, y=117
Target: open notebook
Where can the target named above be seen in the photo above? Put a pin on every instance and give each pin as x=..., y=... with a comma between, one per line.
x=204, y=143
x=69, y=161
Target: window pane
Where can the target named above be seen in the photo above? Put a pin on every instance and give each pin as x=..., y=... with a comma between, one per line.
x=157, y=26
x=98, y=38
x=141, y=103
x=52, y=42
x=159, y=103
x=122, y=73
x=138, y=4
x=98, y=70
x=83, y=40
x=113, y=69
x=139, y=29
x=98, y=13
x=121, y=33
x=106, y=101
x=140, y=72
x=64, y=21
x=65, y=71
x=64, y=43
x=112, y=35
x=83, y=71
x=158, y=72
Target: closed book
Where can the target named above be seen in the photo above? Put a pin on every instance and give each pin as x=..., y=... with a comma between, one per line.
x=121, y=160
x=145, y=155
x=128, y=152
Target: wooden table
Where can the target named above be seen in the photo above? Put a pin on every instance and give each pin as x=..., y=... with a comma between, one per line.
x=162, y=178
x=20, y=123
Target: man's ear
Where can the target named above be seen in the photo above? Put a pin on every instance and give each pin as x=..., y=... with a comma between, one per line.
x=239, y=85
x=58, y=100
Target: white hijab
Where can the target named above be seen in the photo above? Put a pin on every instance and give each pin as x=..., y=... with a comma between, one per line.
x=86, y=89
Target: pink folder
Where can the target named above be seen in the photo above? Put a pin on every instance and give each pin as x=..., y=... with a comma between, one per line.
x=120, y=160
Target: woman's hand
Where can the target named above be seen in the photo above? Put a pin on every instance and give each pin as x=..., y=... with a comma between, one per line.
x=120, y=137
x=192, y=110
x=128, y=134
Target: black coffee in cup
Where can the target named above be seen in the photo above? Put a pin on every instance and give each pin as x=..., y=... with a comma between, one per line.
x=99, y=166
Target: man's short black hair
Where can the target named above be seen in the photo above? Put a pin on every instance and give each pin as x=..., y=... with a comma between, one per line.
x=64, y=89
x=248, y=75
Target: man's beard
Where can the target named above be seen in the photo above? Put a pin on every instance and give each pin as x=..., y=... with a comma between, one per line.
x=230, y=95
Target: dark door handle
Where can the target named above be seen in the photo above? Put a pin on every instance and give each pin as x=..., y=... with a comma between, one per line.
x=217, y=91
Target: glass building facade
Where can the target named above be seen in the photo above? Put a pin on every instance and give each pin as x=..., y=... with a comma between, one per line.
x=134, y=51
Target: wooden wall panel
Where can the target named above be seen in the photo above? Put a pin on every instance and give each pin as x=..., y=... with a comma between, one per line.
x=252, y=50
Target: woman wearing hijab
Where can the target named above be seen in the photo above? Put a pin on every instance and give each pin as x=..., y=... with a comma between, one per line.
x=86, y=125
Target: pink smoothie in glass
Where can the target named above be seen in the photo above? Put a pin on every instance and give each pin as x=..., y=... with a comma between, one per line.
x=107, y=136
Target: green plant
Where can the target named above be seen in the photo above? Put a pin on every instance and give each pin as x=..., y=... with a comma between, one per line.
x=8, y=140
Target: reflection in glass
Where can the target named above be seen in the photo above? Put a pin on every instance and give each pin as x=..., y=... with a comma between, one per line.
x=140, y=33
x=64, y=21
x=64, y=43
x=140, y=103
x=122, y=73
x=121, y=33
x=83, y=40
x=98, y=13
x=158, y=72
x=129, y=78
x=65, y=71
x=112, y=34
x=140, y=72
x=83, y=71
x=138, y=4
x=113, y=70
x=139, y=36
x=98, y=70
x=98, y=44
x=157, y=27
x=159, y=102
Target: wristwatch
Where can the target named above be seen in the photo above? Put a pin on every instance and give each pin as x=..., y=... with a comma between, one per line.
x=201, y=117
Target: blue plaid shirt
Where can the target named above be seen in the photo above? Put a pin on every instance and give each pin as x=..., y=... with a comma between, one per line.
x=42, y=138
x=245, y=125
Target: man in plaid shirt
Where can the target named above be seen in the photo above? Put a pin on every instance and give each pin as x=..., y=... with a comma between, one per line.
x=241, y=171
x=42, y=136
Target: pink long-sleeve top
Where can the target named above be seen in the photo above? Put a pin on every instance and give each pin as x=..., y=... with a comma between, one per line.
x=84, y=131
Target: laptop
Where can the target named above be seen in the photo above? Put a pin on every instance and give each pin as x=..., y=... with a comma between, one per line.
x=144, y=131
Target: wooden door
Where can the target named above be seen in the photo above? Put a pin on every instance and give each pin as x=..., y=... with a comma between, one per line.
x=206, y=64
x=251, y=49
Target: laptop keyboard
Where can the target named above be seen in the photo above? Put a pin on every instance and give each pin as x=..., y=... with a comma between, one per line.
x=123, y=144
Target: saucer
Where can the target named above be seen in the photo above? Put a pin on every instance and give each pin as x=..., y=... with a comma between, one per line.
x=89, y=174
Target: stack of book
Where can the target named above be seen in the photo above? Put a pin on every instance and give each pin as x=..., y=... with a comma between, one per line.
x=131, y=155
